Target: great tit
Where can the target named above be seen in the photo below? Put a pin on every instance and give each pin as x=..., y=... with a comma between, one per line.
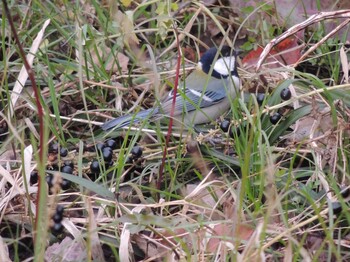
x=203, y=96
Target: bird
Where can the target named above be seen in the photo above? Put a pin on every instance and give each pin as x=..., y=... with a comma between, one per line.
x=204, y=95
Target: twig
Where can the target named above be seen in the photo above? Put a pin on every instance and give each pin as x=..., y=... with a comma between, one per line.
x=170, y=127
x=294, y=29
x=324, y=39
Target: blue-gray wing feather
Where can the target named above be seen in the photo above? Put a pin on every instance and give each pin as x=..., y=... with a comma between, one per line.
x=129, y=119
x=190, y=100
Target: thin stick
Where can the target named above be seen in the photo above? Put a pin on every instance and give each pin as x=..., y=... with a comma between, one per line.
x=172, y=112
x=294, y=29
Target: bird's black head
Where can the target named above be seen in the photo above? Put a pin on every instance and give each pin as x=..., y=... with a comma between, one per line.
x=224, y=65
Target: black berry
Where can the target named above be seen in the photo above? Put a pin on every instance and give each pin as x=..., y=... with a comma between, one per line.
x=59, y=210
x=275, y=118
x=57, y=228
x=63, y=152
x=111, y=143
x=67, y=169
x=136, y=152
x=337, y=208
x=225, y=125
x=107, y=154
x=69, y=163
x=33, y=177
x=345, y=191
x=57, y=218
x=53, y=148
x=3, y=130
x=95, y=167
x=110, y=163
x=100, y=146
x=49, y=180
x=260, y=97
x=234, y=130
x=65, y=184
x=285, y=94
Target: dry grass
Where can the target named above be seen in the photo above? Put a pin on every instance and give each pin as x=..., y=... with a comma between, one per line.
x=257, y=192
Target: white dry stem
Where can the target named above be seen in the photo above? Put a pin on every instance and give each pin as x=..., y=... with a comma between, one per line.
x=4, y=252
x=125, y=249
x=23, y=74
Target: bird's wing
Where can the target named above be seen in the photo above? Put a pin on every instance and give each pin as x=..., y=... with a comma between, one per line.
x=192, y=98
x=129, y=119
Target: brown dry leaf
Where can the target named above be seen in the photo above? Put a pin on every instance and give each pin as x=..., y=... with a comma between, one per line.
x=68, y=250
x=285, y=53
x=225, y=235
x=209, y=239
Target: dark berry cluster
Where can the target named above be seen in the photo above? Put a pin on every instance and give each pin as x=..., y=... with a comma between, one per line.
x=55, y=148
x=62, y=183
x=57, y=218
x=133, y=163
x=277, y=116
x=105, y=151
x=285, y=94
x=230, y=129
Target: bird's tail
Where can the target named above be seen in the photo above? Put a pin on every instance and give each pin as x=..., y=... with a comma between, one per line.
x=129, y=119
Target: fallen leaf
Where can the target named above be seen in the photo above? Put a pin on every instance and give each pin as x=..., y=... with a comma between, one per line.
x=68, y=250
x=285, y=53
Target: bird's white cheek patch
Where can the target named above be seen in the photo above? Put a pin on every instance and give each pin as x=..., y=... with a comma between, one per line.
x=224, y=65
